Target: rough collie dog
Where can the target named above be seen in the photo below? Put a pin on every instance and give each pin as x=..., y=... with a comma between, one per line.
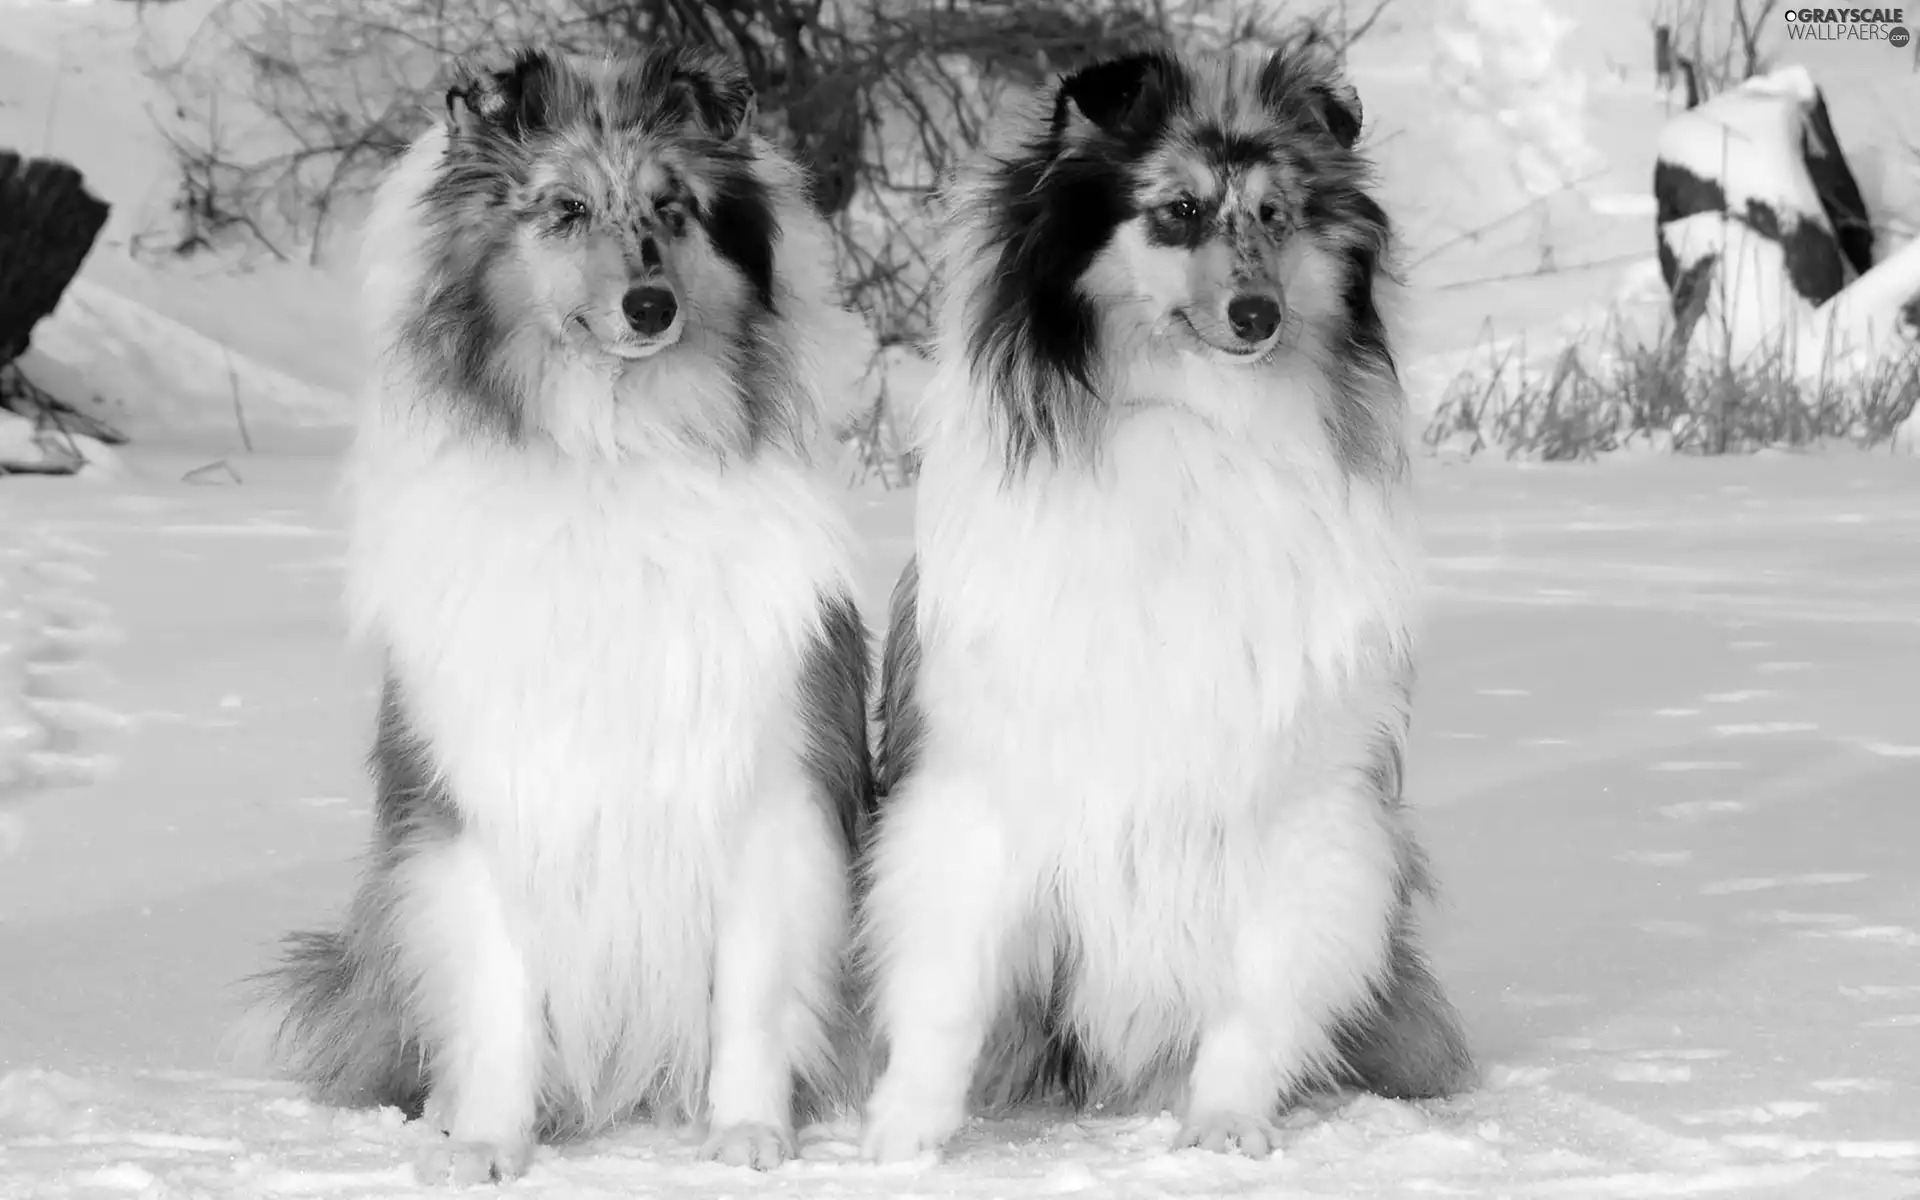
x=1147, y=679
x=621, y=758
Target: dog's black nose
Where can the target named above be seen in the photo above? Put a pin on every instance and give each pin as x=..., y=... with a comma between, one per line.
x=1253, y=318
x=650, y=310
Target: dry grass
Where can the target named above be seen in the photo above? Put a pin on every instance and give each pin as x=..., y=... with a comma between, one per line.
x=1618, y=390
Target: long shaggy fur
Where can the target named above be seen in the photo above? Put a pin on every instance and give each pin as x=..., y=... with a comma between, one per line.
x=1146, y=681
x=622, y=757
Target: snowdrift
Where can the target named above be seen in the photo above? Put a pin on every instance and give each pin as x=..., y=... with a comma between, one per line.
x=163, y=382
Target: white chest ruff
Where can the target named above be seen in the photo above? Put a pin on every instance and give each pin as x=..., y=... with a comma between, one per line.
x=600, y=658
x=1167, y=628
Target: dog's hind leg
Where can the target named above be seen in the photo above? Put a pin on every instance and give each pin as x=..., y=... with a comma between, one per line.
x=481, y=1011
x=1405, y=1041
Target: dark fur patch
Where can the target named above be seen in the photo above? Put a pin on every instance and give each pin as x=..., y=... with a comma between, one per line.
x=1299, y=86
x=670, y=85
x=346, y=1033
x=411, y=803
x=1410, y=1045
x=513, y=102
x=1031, y=1055
x=1406, y=1042
x=834, y=686
x=1034, y=340
x=742, y=226
x=902, y=726
x=1365, y=440
x=1182, y=230
x=1238, y=149
x=1128, y=98
x=833, y=700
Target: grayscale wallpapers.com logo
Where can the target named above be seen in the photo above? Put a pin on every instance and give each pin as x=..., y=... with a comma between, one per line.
x=1848, y=25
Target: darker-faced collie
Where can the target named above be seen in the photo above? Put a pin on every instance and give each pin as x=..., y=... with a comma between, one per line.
x=1147, y=679
x=621, y=757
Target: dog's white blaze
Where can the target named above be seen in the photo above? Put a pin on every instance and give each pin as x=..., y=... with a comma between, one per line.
x=605, y=661
x=1150, y=691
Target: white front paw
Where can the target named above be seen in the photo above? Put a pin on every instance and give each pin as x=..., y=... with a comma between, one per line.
x=1224, y=1132
x=749, y=1144
x=901, y=1128
x=464, y=1164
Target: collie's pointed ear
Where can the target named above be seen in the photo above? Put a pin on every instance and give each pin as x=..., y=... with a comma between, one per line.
x=1306, y=77
x=1128, y=97
x=720, y=96
x=493, y=101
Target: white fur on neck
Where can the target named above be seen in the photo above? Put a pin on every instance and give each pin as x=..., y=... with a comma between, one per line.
x=1216, y=525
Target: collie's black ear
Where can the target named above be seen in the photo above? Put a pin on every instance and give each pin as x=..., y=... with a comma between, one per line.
x=1128, y=97
x=1306, y=77
x=719, y=94
x=513, y=101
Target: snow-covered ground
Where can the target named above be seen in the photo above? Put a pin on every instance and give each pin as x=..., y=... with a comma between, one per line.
x=1666, y=749
x=1666, y=759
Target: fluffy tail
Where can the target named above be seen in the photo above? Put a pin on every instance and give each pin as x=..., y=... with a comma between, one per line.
x=341, y=1031
x=1409, y=1044
x=1406, y=1042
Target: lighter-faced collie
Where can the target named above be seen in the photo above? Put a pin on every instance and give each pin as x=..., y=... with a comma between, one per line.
x=1141, y=838
x=621, y=758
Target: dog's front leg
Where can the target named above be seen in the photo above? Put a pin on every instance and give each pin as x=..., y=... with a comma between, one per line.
x=478, y=999
x=1310, y=942
x=780, y=938
x=938, y=921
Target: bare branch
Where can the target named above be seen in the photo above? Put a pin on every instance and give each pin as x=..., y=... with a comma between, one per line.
x=879, y=99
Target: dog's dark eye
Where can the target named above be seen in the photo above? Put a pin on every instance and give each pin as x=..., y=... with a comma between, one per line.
x=1269, y=214
x=674, y=214
x=1186, y=208
x=571, y=209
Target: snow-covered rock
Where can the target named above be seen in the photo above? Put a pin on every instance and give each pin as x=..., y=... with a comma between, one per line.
x=1755, y=202
x=1871, y=319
